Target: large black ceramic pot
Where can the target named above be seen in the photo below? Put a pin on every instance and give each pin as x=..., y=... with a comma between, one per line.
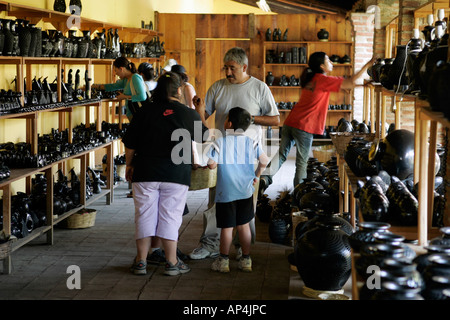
x=365, y=234
x=397, y=71
x=323, y=258
x=398, y=153
x=316, y=199
x=304, y=187
x=429, y=65
x=323, y=35
x=322, y=217
x=75, y=6
x=443, y=239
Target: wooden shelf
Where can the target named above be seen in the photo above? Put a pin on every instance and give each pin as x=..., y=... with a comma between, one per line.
x=58, y=19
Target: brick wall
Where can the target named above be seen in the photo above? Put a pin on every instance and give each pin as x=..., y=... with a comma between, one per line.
x=363, y=29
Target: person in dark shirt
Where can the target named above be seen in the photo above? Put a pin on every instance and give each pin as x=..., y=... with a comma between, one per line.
x=158, y=163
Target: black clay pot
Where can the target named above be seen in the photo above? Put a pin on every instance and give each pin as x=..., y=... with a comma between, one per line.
x=403, y=206
x=395, y=239
x=269, y=78
x=323, y=258
x=24, y=37
x=374, y=203
x=323, y=35
x=365, y=234
x=384, y=74
x=439, y=88
x=317, y=199
x=9, y=37
x=394, y=291
x=75, y=6
x=278, y=231
x=422, y=259
x=398, y=157
x=374, y=255
x=59, y=5
x=439, y=267
x=264, y=209
x=400, y=272
x=268, y=34
x=321, y=217
x=443, y=239
x=397, y=71
x=374, y=71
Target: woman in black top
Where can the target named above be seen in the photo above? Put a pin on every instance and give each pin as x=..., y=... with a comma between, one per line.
x=158, y=163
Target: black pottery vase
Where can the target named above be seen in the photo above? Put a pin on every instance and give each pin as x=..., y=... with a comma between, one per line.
x=439, y=89
x=269, y=78
x=72, y=6
x=268, y=34
x=264, y=209
x=9, y=37
x=397, y=72
x=59, y=5
x=365, y=234
x=323, y=35
x=422, y=260
x=443, y=239
x=323, y=257
x=2, y=39
x=24, y=37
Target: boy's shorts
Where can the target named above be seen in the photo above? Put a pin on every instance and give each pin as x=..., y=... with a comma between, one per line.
x=234, y=213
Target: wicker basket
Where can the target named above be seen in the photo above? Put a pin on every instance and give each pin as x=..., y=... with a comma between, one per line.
x=5, y=249
x=342, y=139
x=84, y=218
x=203, y=178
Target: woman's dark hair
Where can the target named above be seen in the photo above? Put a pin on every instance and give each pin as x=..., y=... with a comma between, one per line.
x=239, y=118
x=181, y=71
x=315, y=60
x=123, y=62
x=146, y=69
x=167, y=87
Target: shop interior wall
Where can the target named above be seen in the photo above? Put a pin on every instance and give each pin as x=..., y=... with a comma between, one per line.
x=199, y=41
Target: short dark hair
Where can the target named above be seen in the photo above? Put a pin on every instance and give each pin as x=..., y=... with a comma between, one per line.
x=239, y=118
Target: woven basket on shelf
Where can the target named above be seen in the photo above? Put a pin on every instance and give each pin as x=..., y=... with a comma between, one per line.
x=84, y=218
x=5, y=249
x=342, y=139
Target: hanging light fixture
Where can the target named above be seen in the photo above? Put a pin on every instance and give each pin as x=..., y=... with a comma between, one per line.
x=262, y=4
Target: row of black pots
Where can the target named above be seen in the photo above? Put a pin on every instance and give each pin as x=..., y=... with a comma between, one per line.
x=276, y=34
x=55, y=146
x=297, y=55
x=9, y=101
x=354, y=125
x=283, y=81
x=402, y=274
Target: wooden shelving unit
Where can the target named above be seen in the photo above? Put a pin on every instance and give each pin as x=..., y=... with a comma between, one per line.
x=292, y=93
x=23, y=69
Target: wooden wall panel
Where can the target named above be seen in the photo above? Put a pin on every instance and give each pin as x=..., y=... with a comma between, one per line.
x=199, y=41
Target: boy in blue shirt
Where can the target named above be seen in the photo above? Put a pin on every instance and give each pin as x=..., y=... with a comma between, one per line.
x=235, y=155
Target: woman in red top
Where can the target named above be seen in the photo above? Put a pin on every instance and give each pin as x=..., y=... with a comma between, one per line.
x=309, y=115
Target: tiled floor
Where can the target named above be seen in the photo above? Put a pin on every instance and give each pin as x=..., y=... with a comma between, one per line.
x=105, y=251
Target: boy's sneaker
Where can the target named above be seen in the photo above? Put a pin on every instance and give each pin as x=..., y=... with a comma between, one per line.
x=174, y=270
x=221, y=264
x=157, y=257
x=139, y=268
x=202, y=253
x=245, y=264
